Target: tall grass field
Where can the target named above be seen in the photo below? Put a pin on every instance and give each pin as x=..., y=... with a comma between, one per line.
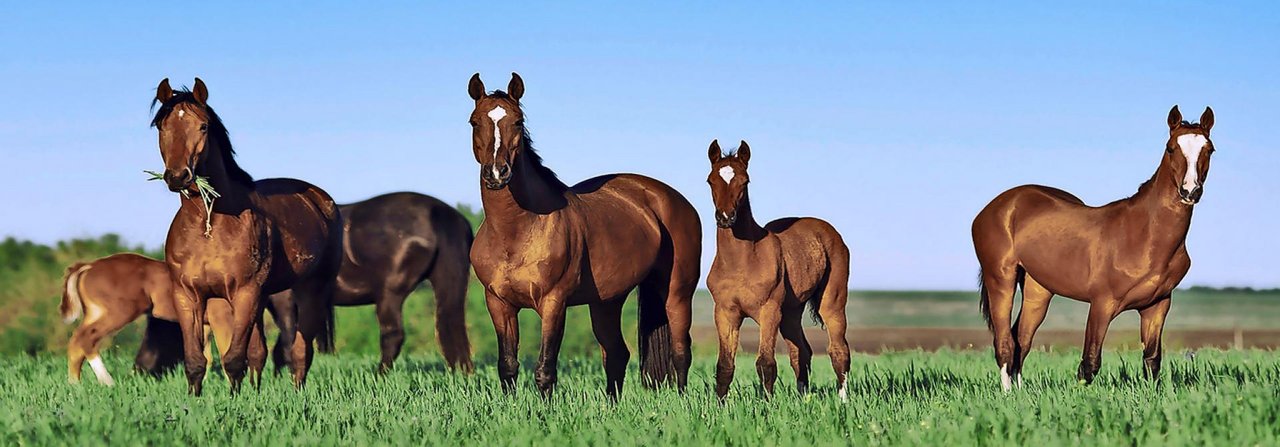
x=914, y=397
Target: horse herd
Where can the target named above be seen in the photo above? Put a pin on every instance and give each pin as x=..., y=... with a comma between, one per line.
x=238, y=247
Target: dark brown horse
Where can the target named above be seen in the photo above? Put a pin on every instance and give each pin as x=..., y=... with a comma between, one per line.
x=391, y=244
x=769, y=274
x=1126, y=255
x=259, y=238
x=545, y=245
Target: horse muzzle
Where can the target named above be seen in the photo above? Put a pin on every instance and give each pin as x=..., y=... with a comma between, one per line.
x=496, y=176
x=726, y=220
x=179, y=180
x=1191, y=197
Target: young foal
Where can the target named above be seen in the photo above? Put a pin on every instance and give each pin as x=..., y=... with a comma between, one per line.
x=113, y=291
x=1126, y=255
x=769, y=274
x=265, y=237
x=545, y=245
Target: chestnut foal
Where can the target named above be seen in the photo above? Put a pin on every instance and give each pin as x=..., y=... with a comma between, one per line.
x=769, y=274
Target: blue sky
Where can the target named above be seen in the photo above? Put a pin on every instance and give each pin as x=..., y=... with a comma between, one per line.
x=897, y=122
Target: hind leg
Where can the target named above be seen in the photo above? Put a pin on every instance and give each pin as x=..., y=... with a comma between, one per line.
x=835, y=297
x=606, y=322
x=1152, y=328
x=1035, y=304
x=161, y=348
x=728, y=325
x=390, y=309
x=797, y=346
x=84, y=343
x=999, y=285
x=285, y=316
x=257, y=354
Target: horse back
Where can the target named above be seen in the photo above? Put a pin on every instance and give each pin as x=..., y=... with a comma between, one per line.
x=393, y=240
x=305, y=224
x=811, y=249
x=127, y=282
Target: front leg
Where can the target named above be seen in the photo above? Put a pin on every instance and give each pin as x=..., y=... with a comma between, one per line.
x=1152, y=328
x=507, y=327
x=770, y=318
x=1100, y=316
x=552, y=310
x=246, y=310
x=191, y=321
x=728, y=325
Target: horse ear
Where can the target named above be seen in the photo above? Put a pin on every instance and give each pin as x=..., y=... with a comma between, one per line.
x=516, y=87
x=714, y=152
x=200, y=92
x=744, y=152
x=1175, y=117
x=1206, y=119
x=475, y=88
x=164, y=91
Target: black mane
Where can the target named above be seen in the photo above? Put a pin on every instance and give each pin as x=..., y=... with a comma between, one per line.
x=542, y=170
x=217, y=133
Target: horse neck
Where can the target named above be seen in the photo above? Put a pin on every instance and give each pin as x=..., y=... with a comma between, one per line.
x=745, y=228
x=1157, y=201
x=525, y=199
x=233, y=198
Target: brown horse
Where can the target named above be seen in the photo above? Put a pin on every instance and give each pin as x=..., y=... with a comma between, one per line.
x=1126, y=255
x=545, y=245
x=769, y=274
x=259, y=238
x=391, y=244
x=113, y=291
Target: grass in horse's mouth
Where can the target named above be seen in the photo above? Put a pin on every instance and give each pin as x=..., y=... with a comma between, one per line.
x=207, y=196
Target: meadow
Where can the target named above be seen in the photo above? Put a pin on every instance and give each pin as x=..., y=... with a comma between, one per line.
x=914, y=397
x=1207, y=396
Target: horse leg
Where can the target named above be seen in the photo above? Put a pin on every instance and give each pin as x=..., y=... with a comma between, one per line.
x=728, y=325
x=680, y=316
x=1152, y=328
x=1100, y=315
x=797, y=346
x=257, y=354
x=313, y=302
x=835, y=297
x=285, y=316
x=449, y=280
x=606, y=323
x=84, y=342
x=158, y=352
x=1035, y=304
x=769, y=318
x=507, y=328
x=390, y=309
x=190, y=308
x=246, y=311
x=552, y=310
x=999, y=286
x=221, y=322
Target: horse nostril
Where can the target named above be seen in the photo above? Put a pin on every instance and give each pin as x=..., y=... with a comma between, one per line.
x=504, y=170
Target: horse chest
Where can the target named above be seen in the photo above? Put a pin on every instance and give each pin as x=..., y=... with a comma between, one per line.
x=746, y=278
x=523, y=272
x=233, y=255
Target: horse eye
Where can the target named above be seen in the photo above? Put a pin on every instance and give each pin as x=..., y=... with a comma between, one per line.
x=520, y=123
x=204, y=127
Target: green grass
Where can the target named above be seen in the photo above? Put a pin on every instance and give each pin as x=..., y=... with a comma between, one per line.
x=945, y=398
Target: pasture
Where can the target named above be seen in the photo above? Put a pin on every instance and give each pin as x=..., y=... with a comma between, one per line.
x=912, y=397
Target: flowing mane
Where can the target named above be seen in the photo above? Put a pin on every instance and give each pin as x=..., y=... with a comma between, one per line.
x=543, y=172
x=217, y=132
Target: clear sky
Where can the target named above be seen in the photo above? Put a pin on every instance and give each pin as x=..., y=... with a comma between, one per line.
x=896, y=121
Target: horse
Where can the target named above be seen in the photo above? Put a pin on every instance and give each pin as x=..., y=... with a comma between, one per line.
x=256, y=238
x=113, y=291
x=546, y=245
x=1127, y=255
x=391, y=244
x=770, y=274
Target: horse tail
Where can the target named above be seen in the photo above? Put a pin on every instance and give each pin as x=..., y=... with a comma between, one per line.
x=72, y=306
x=657, y=350
x=984, y=303
x=450, y=275
x=334, y=254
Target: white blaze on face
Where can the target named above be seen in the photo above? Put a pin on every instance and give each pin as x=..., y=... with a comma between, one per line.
x=181, y=112
x=100, y=370
x=1191, y=145
x=1006, y=383
x=496, y=115
x=727, y=174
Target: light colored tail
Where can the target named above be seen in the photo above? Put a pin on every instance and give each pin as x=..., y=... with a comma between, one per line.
x=72, y=306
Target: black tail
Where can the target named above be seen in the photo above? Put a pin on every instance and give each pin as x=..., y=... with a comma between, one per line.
x=450, y=275
x=657, y=351
x=984, y=303
x=815, y=302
